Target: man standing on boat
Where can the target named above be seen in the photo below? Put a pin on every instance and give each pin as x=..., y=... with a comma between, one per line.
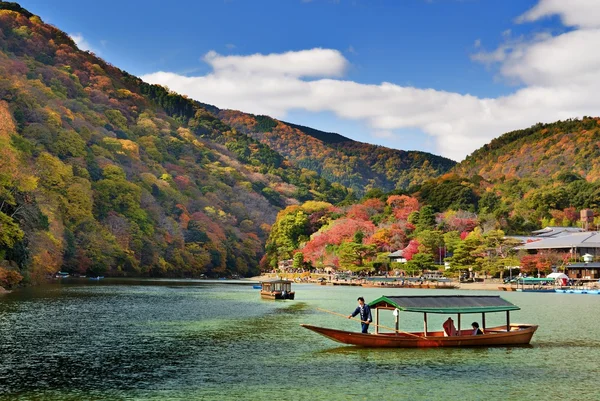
x=364, y=312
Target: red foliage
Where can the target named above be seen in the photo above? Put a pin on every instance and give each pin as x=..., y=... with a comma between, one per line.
x=403, y=205
x=182, y=182
x=214, y=231
x=375, y=204
x=463, y=235
x=341, y=230
x=531, y=264
x=9, y=278
x=358, y=212
x=411, y=250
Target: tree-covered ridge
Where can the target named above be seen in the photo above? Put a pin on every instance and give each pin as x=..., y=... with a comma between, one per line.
x=101, y=173
x=541, y=151
x=449, y=219
x=356, y=165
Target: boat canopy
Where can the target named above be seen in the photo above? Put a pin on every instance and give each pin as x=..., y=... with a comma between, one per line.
x=534, y=280
x=445, y=303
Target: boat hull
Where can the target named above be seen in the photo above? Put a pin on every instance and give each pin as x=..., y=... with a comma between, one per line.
x=519, y=334
x=276, y=295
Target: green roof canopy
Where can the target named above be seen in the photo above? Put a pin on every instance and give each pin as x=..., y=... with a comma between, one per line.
x=534, y=280
x=445, y=303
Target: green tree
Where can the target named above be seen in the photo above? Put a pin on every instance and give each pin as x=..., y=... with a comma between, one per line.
x=298, y=260
x=426, y=219
x=465, y=255
x=420, y=262
x=496, y=252
x=10, y=232
x=353, y=256
x=451, y=240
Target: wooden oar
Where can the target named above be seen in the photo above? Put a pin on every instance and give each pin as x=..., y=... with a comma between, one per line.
x=363, y=321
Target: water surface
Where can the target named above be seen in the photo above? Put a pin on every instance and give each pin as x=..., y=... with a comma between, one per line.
x=199, y=340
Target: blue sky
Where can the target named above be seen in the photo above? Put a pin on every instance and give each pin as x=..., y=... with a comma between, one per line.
x=455, y=54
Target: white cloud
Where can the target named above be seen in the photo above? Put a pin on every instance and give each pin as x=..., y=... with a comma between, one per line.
x=305, y=63
x=80, y=41
x=560, y=78
x=579, y=13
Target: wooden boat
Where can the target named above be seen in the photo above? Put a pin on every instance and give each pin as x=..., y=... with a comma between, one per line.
x=506, y=335
x=535, y=284
x=277, y=289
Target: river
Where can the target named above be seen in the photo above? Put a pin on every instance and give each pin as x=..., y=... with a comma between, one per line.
x=157, y=340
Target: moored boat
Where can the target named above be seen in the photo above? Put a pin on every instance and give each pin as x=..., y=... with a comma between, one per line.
x=509, y=334
x=277, y=289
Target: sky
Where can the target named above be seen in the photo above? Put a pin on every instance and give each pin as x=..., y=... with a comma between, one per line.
x=442, y=76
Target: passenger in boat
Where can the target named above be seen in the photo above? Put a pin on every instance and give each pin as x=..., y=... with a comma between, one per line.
x=449, y=328
x=365, y=314
x=476, y=330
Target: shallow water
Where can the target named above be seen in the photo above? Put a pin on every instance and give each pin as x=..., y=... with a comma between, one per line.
x=198, y=340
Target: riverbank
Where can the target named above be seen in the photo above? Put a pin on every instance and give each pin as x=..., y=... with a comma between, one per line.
x=490, y=285
x=3, y=291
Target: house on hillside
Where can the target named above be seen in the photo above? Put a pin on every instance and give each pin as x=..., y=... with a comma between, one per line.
x=397, y=256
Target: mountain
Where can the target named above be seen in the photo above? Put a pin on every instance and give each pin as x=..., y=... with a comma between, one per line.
x=356, y=165
x=541, y=151
x=101, y=173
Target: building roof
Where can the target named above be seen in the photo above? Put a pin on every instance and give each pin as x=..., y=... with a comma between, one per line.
x=554, y=231
x=397, y=254
x=593, y=265
x=445, y=303
x=588, y=239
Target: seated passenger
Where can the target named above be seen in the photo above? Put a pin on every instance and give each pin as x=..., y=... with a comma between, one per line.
x=449, y=328
x=476, y=330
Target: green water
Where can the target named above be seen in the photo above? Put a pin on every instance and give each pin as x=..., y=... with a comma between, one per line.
x=214, y=341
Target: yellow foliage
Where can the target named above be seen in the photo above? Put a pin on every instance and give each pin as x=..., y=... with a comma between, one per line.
x=314, y=206
x=53, y=118
x=7, y=126
x=130, y=147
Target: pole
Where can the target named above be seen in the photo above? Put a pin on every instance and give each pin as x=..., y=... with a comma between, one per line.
x=383, y=327
x=425, y=323
x=376, y=321
x=507, y=321
x=459, y=333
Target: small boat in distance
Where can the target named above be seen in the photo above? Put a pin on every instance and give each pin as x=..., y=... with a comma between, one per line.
x=277, y=289
x=257, y=287
x=506, y=335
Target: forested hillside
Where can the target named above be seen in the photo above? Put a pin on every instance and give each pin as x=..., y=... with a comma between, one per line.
x=520, y=182
x=101, y=173
x=541, y=151
x=356, y=165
